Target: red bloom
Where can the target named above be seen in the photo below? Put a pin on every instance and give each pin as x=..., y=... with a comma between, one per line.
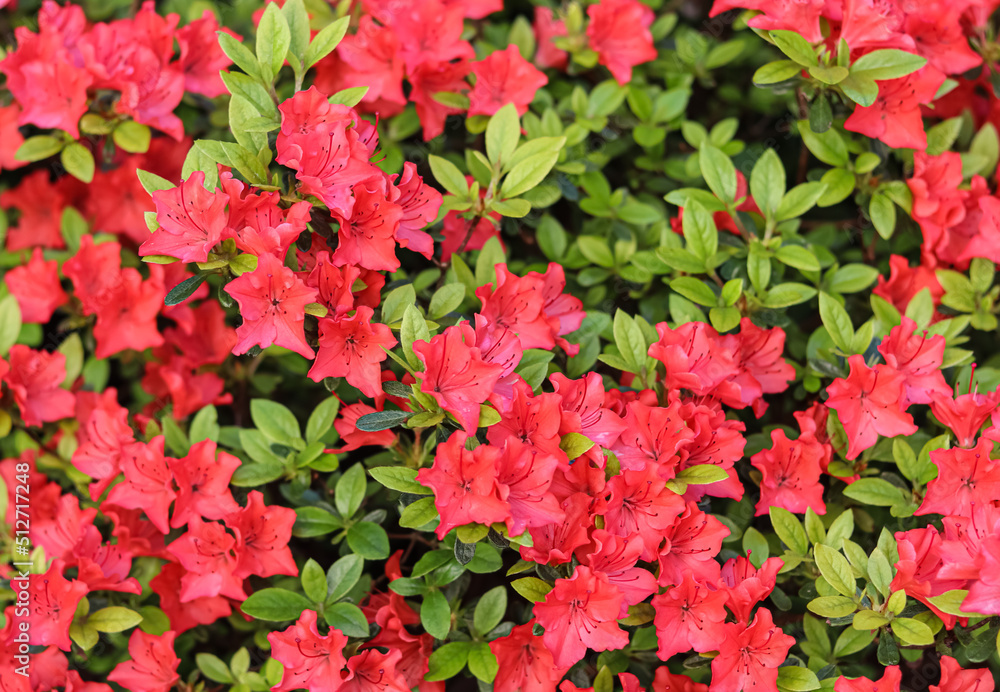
x=524, y=475
x=352, y=347
x=272, y=301
x=889, y=682
x=346, y=426
x=688, y=616
x=192, y=221
x=547, y=29
x=616, y=558
x=583, y=409
x=653, y=434
x=800, y=16
x=555, y=543
x=905, y=282
x=869, y=403
x=619, y=32
x=209, y=554
x=153, y=667
x=895, y=116
x=367, y=236
x=504, y=77
x=640, y=503
x=373, y=671
x=36, y=287
x=202, y=57
x=40, y=205
x=955, y=679
x=431, y=77
x=966, y=478
x=525, y=662
x=749, y=655
x=127, y=312
x=456, y=375
x=791, y=471
x=420, y=204
x=692, y=542
x=203, y=483
x=580, y=613
x=10, y=137
x=965, y=414
x=745, y=586
x=264, y=532
x=35, y=378
x=694, y=357
x=464, y=484
x=185, y=616
x=370, y=58
x=148, y=483
x=918, y=358
x=53, y=601
x=665, y=681
x=310, y=661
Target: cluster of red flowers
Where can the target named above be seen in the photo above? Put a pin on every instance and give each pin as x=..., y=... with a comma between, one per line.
x=422, y=41
x=935, y=30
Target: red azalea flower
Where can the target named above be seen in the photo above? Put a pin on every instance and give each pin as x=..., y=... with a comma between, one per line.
x=524, y=475
x=35, y=378
x=692, y=542
x=653, y=435
x=310, y=661
x=640, y=503
x=955, y=679
x=367, y=237
x=918, y=358
x=272, y=301
x=210, y=555
x=749, y=655
x=532, y=419
x=689, y=616
x=583, y=409
x=616, y=558
x=40, y=204
x=619, y=32
x=791, y=471
x=353, y=347
x=263, y=532
x=202, y=58
x=127, y=312
x=464, y=484
x=546, y=29
x=966, y=478
x=373, y=671
x=919, y=566
x=153, y=667
x=420, y=204
x=895, y=117
x=889, y=682
x=745, y=586
x=11, y=138
x=456, y=374
x=525, y=662
x=185, y=616
x=905, y=282
x=347, y=428
x=800, y=16
x=53, y=600
x=869, y=403
x=192, y=221
x=431, y=77
x=580, y=613
x=202, y=478
x=555, y=543
x=965, y=414
x=148, y=484
x=694, y=357
x=36, y=287
x=665, y=681
x=503, y=77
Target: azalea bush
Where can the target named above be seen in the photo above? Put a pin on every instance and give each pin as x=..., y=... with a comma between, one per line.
x=388, y=345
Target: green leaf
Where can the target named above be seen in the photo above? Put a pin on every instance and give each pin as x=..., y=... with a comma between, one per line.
x=490, y=610
x=321, y=419
x=700, y=233
x=796, y=679
x=314, y=521
x=596, y=250
x=913, y=632
x=799, y=200
x=777, y=71
x=630, y=341
x=298, y=28
x=73, y=227
x=350, y=491
x=413, y=329
x=418, y=514
x=182, y=291
x=446, y=299
x=531, y=588
x=874, y=491
x=798, y=257
x=575, y=445
x=767, y=182
x=787, y=294
x=483, y=663
x=886, y=64
x=834, y=74
x=695, y=290
x=852, y=641
x=449, y=176
x=832, y=606
x=239, y=54
x=702, y=474
x=837, y=321
x=349, y=97
x=275, y=605
x=205, y=425
x=348, y=618
x=382, y=420
x=489, y=257
x=72, y=349
x=829, y=147
x=276, y=421
x=132, y=137
x=883, y=214
x=789, y=530
x=447, y=661
x=78, y=162
x=719, y=173
x=435, y=614
x=399, y=478
x=213, y=667
x=755, y=544
x=273, y=40
x=114, y=619
x=342, y=576
x=502, y=135
x=860, y=89
x=551, y=238
x=313, y=581
x=835, y=569
x=368, y=540
x=38, y=148
x=528, y=173
x=852, y=278
x=795, y=47
x=880, y=571
x=326, y=40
